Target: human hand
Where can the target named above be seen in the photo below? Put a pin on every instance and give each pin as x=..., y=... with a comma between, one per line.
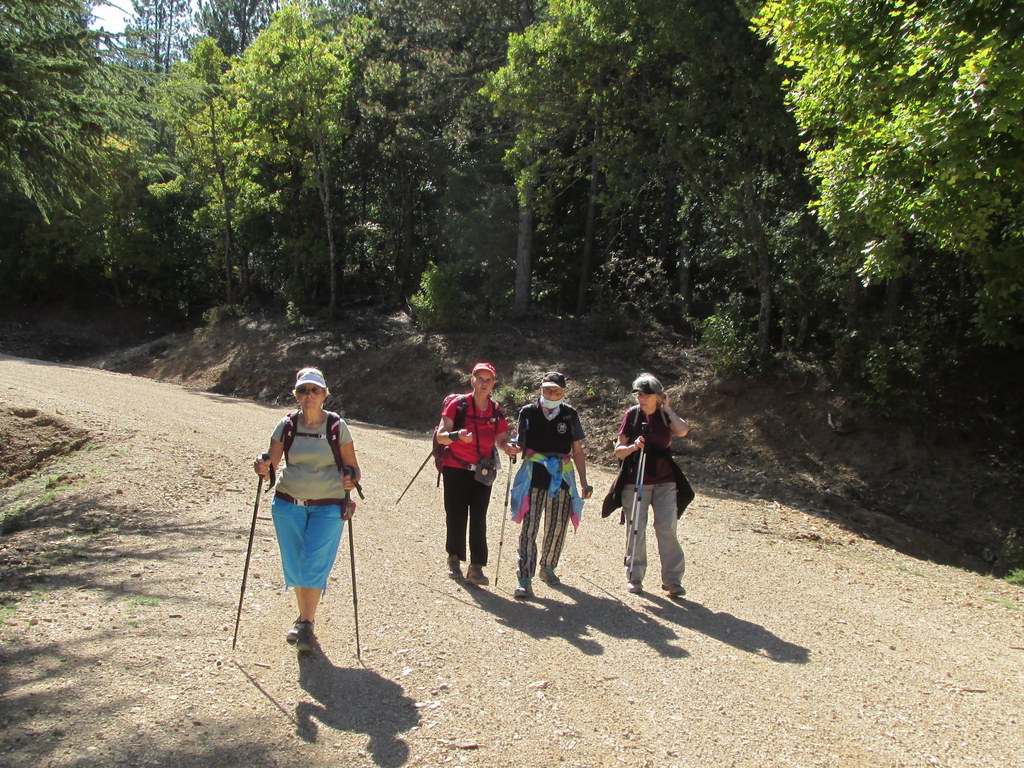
x=588, y=491
x=261, y=466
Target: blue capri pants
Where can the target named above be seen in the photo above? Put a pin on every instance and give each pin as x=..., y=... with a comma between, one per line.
x=308, y=538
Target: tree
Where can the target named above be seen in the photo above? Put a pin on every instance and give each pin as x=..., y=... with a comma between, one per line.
x=198, y=107
x=295, y=88
x=644, y=99
x=912, y=117
x=160, y=31
x=60, y=99
x=234, y=24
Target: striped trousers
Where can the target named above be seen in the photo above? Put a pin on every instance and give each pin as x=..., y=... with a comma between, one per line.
x=556, y=522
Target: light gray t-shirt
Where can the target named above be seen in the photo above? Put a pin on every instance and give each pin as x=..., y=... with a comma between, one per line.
x=310, y=471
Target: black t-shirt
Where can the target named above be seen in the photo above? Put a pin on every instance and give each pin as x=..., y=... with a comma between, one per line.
x=551, y=437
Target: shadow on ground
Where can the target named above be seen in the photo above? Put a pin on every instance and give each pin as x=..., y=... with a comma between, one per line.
x=357, y=701
x=588, y=615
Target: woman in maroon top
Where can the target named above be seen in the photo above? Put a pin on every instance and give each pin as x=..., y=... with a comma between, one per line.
x=482, y=429
x=649, y=426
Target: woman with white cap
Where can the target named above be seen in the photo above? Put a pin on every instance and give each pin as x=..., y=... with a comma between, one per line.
x=648, y=428
x=472, y=428
x=309, y=509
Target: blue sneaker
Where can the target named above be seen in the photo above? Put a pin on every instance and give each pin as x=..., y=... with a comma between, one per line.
x=523, y=590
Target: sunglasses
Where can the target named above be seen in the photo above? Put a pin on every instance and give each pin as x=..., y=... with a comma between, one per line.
x=307, y=391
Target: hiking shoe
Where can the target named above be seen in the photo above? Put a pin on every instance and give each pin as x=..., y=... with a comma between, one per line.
x=454, y=567
x=674, y=590
x=305, y=639
x=293, y=634
x=548, y=575
x=475, y=576
x=634, y=587
x=523, y=590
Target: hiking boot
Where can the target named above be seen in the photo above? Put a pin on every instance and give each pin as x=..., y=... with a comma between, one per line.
x=634, y=587
x=475, y=576
x=523, y=590
x=548, y=575
x=454, y=567
x=305, y=640
x=674, y=590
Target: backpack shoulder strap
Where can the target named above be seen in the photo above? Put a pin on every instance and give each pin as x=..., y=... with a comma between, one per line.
x=460, y=413
x=334, y=438
x=288, y=436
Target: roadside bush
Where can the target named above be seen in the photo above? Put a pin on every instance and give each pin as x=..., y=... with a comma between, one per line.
x=439, y=303
x=727, y=339
x=1008, y=561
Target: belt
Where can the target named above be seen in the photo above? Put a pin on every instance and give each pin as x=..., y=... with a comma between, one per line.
x=307, y=502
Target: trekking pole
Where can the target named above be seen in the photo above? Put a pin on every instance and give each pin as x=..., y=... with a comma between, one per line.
x=638, y=495
x=402, y=494
x=349, y=509
x=504, y=516
x=248, y=550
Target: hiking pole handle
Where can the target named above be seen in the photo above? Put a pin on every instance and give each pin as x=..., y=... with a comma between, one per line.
x=248, y=551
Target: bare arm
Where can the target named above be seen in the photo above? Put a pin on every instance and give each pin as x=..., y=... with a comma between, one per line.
x=579, y=459
x=679, y=427
x=276, y=454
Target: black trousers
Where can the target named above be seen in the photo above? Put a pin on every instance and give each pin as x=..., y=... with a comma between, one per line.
x=465, y=503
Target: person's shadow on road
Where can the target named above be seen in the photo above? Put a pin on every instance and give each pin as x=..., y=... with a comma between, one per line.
x=578, y=620
x=356, y=700
x=726, y=628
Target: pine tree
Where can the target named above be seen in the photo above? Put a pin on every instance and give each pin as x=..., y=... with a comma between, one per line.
x=59, y=99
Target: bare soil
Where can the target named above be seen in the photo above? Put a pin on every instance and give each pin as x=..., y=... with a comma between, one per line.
x=806, y=637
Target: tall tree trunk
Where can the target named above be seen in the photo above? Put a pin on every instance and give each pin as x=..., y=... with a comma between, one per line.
x=524, y=254
x=684, y=280
x=588, y=237
x=668, y=212
x=763, y=265
x=408, y=229
x=324, y=184
x=853, y=290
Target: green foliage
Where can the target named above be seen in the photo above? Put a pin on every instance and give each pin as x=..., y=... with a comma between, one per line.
x=294, y=316
x=912, y=117
x=1008, y=560
x=61, y=100
x=441, y=303
x=222, y=313
x=726, y=337
x=1016, y=577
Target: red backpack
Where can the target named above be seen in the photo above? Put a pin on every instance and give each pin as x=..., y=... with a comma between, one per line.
x=440, y=451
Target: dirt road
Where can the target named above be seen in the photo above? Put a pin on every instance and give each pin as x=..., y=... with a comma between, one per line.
x=797, y=644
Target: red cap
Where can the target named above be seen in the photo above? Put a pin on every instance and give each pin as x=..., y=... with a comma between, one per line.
x=485, y=367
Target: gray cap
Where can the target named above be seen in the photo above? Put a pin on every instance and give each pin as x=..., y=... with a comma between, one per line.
x=647, y=384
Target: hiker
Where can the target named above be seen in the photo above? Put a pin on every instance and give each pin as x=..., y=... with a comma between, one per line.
x=472, y=427
x=308, y=504
x=648, y=427
x=550, y=435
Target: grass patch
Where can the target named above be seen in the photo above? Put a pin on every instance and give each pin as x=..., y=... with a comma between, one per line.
x=1016, y=577
x=7, y=610
x=911, y=571
x=144, y=601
